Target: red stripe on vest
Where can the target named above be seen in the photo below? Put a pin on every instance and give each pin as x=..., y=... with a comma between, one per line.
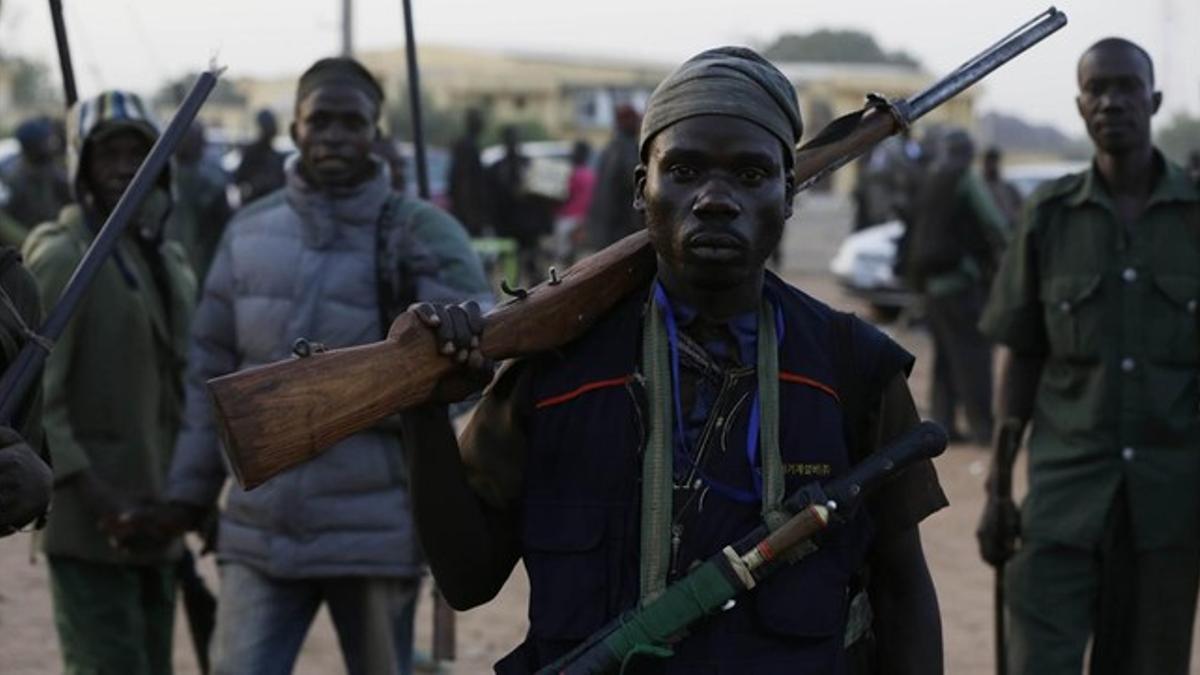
x=575, y=393
x=808, y=381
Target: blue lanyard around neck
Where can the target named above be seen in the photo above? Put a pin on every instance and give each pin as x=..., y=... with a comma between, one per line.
x=681, y=450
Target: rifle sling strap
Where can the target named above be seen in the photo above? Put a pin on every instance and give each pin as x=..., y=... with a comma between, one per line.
x=395, y=282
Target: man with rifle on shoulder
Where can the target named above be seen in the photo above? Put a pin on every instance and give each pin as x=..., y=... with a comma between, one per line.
x=680, y=421
x=113, y=397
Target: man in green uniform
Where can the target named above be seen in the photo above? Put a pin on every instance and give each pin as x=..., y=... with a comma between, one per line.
x=958, y=236
x=112, y=400
x=1096, y=303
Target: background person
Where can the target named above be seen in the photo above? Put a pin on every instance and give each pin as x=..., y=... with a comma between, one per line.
x=333, y=258
x=261, y=170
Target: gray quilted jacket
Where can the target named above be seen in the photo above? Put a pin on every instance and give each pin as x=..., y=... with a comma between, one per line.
x=303, y=263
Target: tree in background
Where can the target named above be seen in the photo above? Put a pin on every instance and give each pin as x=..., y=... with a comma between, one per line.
x=835, y=46
x=1179, y=137
x=441, y=125
x=30, y=82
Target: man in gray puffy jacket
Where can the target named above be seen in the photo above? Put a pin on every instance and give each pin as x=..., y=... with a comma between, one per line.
x=331, y=257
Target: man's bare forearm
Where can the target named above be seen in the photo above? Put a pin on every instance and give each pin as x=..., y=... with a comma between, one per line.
x=908, y=624
x=471, y=546
x=1019, y=378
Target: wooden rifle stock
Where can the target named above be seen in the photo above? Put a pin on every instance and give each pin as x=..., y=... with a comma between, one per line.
x=276, y=416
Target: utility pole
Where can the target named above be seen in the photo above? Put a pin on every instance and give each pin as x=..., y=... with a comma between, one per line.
x=347, y=27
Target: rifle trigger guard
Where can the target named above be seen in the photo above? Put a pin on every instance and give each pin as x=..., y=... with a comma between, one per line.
x=897, y=109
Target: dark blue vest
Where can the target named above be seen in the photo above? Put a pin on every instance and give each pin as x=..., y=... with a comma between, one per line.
x=581, y=529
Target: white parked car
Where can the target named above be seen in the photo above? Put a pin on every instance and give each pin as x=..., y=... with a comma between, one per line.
x=865, y=261
x=865, y=265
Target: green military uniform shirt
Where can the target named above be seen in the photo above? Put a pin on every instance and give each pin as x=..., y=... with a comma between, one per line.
x=112, y=385
x=1113, y=310
x=974, y=194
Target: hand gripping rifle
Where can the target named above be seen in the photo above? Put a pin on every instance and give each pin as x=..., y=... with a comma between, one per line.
x=714, y=585
x=278, y=415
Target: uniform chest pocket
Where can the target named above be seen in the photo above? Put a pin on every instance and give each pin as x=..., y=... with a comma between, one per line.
x=1170, y=324
x=565, y=555
x=1073, y=315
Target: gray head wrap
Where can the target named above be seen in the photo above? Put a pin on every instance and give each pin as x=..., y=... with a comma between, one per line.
x=732, y=81
x=339, y=70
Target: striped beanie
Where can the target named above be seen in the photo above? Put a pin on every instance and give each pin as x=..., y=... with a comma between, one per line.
x=96, y=117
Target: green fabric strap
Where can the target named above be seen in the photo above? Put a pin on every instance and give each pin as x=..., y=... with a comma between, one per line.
x=657, y=479
x=657, y=464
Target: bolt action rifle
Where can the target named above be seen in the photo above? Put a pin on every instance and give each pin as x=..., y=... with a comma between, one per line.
x=276, y=416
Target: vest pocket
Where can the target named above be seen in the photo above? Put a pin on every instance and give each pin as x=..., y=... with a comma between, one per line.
x=1072, y=313
x=567, y=565
x=806, y=600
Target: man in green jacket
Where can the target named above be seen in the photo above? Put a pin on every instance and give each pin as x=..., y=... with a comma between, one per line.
x=1096, y=302
x=112, y=399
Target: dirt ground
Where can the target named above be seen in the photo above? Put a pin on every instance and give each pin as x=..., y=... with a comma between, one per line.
x=28, y=643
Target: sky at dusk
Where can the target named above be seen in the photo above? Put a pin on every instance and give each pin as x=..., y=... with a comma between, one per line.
x=139, y=43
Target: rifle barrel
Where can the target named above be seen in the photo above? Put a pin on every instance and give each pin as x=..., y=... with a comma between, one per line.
x=1008, y=48
x=25, y=368
x=905, y=112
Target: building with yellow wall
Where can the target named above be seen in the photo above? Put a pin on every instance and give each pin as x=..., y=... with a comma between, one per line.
x=574, y=97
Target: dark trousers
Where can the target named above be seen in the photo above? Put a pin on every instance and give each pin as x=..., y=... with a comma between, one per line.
x=1136, y=606
x=113, y=619
x=962, y=362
